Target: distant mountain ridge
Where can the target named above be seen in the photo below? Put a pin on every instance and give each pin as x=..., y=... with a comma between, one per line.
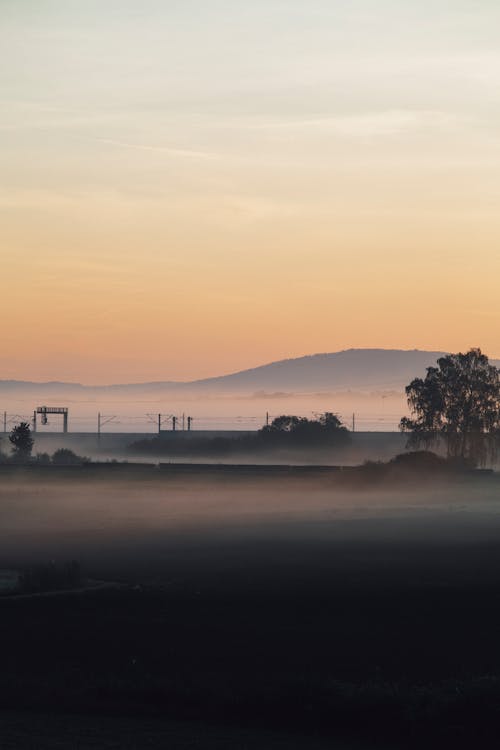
x=357, y=369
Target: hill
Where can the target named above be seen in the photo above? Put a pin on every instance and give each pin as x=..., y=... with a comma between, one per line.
x=352, y=369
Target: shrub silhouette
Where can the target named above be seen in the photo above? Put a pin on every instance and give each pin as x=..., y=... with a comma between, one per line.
x=66, y=457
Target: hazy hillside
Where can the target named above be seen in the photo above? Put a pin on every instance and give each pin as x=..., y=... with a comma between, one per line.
x=353, y=368
x=359, y=369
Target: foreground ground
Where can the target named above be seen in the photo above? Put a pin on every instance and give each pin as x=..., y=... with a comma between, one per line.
x=253, y=613
x=42, y=731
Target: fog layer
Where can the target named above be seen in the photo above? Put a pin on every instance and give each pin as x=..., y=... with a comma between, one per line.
x=161, y=529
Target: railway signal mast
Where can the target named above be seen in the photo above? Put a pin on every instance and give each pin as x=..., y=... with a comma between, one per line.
x=45, y=410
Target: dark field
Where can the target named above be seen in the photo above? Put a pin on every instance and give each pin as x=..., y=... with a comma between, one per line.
x=267, y=612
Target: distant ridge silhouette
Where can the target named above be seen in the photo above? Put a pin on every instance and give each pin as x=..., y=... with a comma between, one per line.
x=359, y=369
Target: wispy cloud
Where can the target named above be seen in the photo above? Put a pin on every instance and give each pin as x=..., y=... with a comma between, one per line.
x=365, y=124
x=167, y=150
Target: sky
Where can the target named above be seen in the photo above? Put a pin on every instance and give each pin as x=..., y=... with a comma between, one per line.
x=189, y=188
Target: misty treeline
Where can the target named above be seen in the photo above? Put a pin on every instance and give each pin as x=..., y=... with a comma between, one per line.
x=21, y=442
x=457, y=405
x=326, y=428
x=286, y=432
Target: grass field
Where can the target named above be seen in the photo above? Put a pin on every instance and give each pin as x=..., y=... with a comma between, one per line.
x=252, y=612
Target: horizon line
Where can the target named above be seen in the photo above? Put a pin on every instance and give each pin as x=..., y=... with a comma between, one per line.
x=194, y=381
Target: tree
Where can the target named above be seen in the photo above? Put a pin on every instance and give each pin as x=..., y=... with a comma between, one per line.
x=331, y=422
x=327, y=429
x=285, y=423
x=458, y=402
x=22, y=442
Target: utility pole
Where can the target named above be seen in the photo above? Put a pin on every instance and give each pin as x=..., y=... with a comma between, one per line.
x=5, y=422
x=159, y=423
x=190, y=419
x=34, y=421
x=174, y=422
x=267, y=419
x=103, y=419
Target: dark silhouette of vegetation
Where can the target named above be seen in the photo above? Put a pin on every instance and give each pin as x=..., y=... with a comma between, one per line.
x=286, y=432
x=3, y=456
x=326, y=428
x=43, y=459
x=22, y=442
x=416, y=467
x=457, y=403
x=23, y=445
x=66, y=457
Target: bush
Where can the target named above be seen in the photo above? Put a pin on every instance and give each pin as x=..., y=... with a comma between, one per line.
x=43, y=459
x=291, y=431
x=66, y=457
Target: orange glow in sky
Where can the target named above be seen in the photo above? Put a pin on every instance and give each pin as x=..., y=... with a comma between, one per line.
x=192, y=188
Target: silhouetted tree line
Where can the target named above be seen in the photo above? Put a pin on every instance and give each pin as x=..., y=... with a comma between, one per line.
x=457, y=404
x=287, y=432
x=327, y=429
x=62, y=457
x=416, y=466
x=22, y=442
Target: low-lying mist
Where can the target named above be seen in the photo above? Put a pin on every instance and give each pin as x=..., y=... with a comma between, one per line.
x=163, y=529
